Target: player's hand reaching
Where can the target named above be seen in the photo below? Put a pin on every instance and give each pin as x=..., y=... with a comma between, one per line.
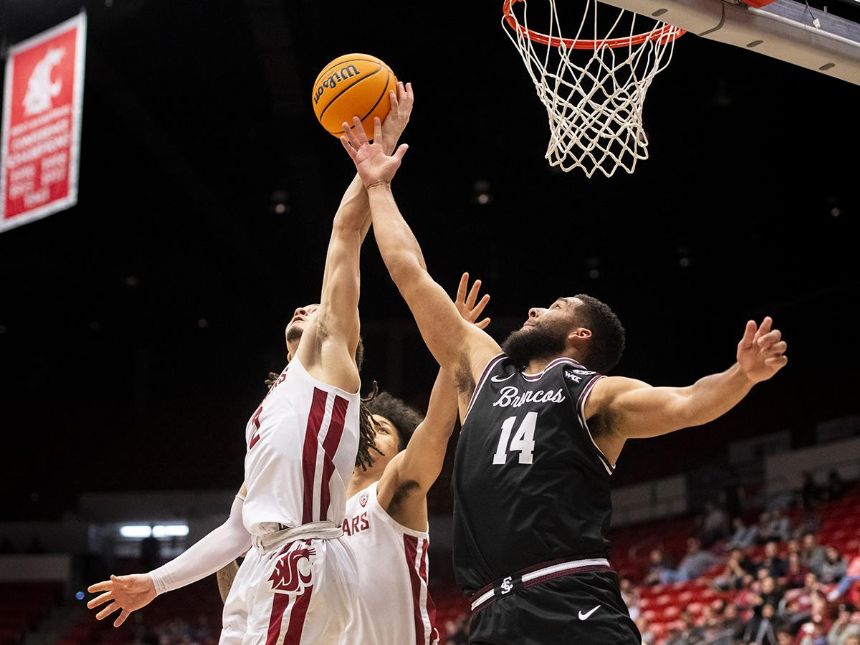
x=374, y=166
x=125, y=594
x=469, y=306
x=761, y=352
x=402, y=99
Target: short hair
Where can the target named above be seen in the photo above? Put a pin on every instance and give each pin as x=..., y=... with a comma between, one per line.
x=607, y=334
x=403, y=417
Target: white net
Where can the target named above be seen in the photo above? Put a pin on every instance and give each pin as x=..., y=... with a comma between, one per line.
x=592, y=82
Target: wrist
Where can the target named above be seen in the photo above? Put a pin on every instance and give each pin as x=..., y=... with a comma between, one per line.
x=382, y=183
x=159, y=584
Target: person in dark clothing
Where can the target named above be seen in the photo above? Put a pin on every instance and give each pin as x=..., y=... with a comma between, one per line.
x=542, y=429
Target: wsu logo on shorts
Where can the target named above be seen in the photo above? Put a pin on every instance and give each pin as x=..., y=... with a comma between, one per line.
x=292, y=573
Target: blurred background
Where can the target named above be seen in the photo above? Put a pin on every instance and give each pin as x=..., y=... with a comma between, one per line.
x=137, y=328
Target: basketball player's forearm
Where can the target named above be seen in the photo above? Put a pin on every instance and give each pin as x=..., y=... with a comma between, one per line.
x=425, y=454
x=223, y=545
x=712, y=396
x=396, y=241
x=354, y=210
x=442, y=408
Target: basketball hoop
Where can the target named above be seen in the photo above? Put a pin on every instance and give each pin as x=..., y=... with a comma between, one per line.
x=593, y=88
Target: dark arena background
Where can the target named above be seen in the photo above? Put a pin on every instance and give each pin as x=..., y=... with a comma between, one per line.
x=138, y=326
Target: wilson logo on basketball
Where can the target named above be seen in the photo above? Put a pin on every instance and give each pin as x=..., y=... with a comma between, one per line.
x=292, y=572
x=331, y=82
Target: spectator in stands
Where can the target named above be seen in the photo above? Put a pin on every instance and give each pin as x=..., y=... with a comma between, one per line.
x=733, y=624
x=834, y=568
x=630, y=596
x=835, y=486
x=714, y=525
x=694, y=564
x=657, y=564
x=458, y=631
x=711, y=623
x=852, y=575
x=688, y=633
x=812, y=554
x=814, y=633
x=762, y=528
x=778, y=527
x=732, y=577
x=647, y=633
x=743, y=536
x=796, y=573
x=769, y=593
x=852, y=640
x=784, y=636
x=842, y=628
x=761, y=629
x=771, y=562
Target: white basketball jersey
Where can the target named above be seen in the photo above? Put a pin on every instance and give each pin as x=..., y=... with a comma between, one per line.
x=302, y=441
x=394, y=607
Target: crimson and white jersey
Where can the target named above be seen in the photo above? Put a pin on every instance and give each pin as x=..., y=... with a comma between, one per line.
x=394, y=606
x=302, y=441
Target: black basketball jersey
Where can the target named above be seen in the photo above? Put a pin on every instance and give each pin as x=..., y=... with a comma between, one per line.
x=530, y=484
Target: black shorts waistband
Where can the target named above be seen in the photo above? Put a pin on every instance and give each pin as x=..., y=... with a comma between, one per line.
x=535, y=575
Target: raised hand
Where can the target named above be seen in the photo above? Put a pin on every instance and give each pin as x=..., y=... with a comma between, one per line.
x=469, y=306
x=374, y=166
x=761, y=351
x=125, y=594
x=402, y=100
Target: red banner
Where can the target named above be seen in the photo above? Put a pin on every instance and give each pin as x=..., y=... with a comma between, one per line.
x=42, y=104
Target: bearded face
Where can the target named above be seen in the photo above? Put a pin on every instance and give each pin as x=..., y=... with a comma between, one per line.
x=542, y=339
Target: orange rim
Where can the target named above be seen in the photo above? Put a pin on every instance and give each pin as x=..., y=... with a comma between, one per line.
x=663, y=36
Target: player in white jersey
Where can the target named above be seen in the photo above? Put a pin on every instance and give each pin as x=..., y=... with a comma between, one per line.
x=386, y=515
x=297, y=585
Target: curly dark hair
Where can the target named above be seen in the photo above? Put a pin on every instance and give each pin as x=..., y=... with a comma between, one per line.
x=401, y=416
x=607, y=333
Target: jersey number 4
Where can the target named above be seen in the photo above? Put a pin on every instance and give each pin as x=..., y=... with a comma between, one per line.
x=523, y=441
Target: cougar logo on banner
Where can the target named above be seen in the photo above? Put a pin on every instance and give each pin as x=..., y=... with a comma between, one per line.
x=40, y=88
x=292, y=571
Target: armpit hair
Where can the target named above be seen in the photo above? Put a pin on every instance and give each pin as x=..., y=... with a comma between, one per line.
x=463, y=378
x=400, y=495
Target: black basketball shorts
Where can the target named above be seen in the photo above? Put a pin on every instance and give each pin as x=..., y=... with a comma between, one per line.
x=577, y=609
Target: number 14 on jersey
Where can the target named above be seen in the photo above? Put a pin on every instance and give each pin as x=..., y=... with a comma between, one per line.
x=523, y=441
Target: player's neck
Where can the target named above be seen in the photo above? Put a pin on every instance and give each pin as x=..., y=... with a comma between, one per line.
x=360, y=480
x=537, y=365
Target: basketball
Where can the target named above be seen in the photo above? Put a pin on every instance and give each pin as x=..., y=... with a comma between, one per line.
x=352, y=85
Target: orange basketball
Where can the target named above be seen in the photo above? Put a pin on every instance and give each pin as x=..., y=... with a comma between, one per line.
x=352, y=85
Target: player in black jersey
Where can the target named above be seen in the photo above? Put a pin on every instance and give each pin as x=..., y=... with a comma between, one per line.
x=542, y=430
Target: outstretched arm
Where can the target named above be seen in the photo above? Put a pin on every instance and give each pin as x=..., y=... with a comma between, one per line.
x=625, y=408
x=329, y=342
x=418, y=466
x=127, y=594
x=456, y=344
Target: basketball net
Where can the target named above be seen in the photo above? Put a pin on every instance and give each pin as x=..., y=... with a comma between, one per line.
x=592, y=84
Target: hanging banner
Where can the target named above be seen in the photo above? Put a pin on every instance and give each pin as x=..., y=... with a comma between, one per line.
x=42, y=105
